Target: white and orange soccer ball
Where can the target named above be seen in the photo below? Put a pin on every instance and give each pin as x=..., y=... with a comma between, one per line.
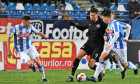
x=81, y=77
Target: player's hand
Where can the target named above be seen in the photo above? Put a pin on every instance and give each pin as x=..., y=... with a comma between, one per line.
x=125, y=40
x=46, y=37
x=72, y=23
x=9, y=54
x=105, y=38
x=107, y=47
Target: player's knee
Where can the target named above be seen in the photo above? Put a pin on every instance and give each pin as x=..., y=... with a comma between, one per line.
x=125, y=65
x=101, y=59
x=79, y=57
x=29, y=63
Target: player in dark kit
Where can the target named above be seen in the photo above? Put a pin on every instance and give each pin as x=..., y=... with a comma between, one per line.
x=95, y=43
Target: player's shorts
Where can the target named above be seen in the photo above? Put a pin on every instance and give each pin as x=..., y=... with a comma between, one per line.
x=120, y=53
x=93, y=51
x=29, y=53
x=125, y=51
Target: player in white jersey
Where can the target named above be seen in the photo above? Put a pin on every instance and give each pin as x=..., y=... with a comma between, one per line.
x=24, y=46
x=114, y=45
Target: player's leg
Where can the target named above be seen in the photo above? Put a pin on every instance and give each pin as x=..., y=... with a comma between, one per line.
x=80, y=55
x=95, y=57
x=41, y=69
x=111, y=62
x=106, y=63
x=35, y=56
x=26, y=59
x=99, y=67
x=116, y=60
x=91, y=64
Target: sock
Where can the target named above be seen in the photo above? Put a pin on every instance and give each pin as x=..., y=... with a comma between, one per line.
x=98, y=69
x=75, y=65
x=119, y=65
x=41, y=69
x=105, y=65
x=94, y=68
x=131, y=66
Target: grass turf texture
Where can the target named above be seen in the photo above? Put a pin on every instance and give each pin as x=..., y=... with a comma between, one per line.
x=59, y=77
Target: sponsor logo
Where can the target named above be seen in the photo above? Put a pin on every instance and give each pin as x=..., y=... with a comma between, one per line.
x=98, y=25
x=23, y=35
x=110, y=31
x=65, y=33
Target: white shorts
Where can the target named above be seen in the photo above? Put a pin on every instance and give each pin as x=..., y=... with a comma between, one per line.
x=120, y=53
x=29, y=53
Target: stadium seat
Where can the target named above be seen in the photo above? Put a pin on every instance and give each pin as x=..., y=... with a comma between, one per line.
x=71, y=14
x=36, y=9
x=28, y=6
x=52, y=6
x=19, y=6
x=19, y=13
x=76, y=7
x=11, y=13
x=4, y=5
x=83, y=15
x=121, y=7
x=68, y=7
x=123, y=1
x=44, y=6
x=113, y=7
x=36, y=6
x=11, y=6
x=68, y=1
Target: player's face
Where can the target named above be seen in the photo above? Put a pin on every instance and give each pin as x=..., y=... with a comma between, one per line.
x=93, y=16
x=26, y=22
x=105, y=19
x=112, y=16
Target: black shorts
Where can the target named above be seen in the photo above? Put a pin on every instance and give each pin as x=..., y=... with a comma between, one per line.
x=93, y=51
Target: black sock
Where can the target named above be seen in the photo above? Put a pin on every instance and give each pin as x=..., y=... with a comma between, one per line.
x=75, y=65
x=33, y=67
x=94, y=68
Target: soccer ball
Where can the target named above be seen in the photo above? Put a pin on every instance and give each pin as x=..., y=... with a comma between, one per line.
x=81, y=77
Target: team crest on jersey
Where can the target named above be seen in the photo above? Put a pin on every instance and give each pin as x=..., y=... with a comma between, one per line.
x=98, y=25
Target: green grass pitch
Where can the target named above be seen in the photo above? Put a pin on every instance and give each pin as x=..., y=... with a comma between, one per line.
x=59, y=77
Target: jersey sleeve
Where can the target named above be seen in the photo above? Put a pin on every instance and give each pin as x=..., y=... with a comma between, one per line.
x=33, y=29
x=12, y=31
x=116, y=33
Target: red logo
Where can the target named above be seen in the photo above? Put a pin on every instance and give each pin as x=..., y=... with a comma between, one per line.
x=110, y=31
x=23, y=35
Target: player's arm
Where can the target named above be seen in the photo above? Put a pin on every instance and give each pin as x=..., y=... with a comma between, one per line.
x=8, y=47
x=39, y=33
x=128, y=28
x=116, y=36
x=12, y=32
x=127, y=32
x=80, y=27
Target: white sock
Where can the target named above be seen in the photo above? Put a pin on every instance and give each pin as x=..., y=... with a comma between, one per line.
x=41, y=69
x=98, y=69
x=105, y=65
x=119, y=65
x=131, y=65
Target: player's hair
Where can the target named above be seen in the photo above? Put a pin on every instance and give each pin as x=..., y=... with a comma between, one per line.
x=26, y=17
x=106, y=13
x=93, y=9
